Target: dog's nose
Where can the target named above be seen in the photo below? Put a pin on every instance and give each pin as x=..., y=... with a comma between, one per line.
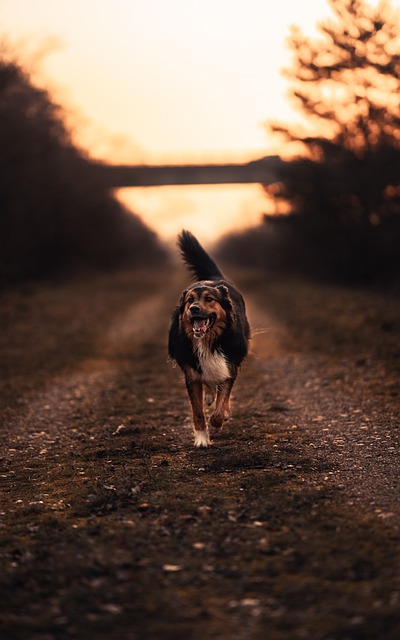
x=194, y=309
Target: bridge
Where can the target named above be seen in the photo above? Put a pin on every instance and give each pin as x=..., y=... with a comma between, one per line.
x=262, y=171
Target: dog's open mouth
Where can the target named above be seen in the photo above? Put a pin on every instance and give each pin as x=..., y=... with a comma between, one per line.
x=202, y=325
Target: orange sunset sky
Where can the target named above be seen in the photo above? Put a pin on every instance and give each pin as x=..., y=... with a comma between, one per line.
x=168, y=80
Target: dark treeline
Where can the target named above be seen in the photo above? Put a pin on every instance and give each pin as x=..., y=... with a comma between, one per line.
x=54, y=214
x=343, y=192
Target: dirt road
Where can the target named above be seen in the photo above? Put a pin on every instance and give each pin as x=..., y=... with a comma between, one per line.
x=113, y=526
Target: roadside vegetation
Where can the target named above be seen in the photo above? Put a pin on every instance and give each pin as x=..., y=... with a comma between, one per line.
x=342, y=189
x=55, y=216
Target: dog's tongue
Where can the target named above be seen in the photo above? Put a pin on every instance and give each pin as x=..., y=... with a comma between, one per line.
x=200, y=326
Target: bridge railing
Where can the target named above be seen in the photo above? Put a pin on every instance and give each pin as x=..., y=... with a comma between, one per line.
x=263, y=171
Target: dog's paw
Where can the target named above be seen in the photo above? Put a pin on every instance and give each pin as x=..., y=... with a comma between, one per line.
x=201, y=439
x=216, y=422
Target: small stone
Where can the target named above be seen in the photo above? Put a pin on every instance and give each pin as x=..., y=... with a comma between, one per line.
x=172, y=568
x=114, y=609
x=250, y=602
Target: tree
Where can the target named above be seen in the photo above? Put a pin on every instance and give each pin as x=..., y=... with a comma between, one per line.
x=54, y=213
x=345, y=190
x=350, y=80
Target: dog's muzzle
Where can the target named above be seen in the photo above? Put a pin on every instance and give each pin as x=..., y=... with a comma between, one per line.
x=201, y=323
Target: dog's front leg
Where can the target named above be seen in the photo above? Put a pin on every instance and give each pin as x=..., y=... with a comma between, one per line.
x=195, y=392
x=222, y=407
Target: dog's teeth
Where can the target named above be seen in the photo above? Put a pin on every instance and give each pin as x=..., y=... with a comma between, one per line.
x=200, y=326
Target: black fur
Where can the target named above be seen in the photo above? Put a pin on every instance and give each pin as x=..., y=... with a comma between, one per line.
x=196, y=259
x=234, y=342
x=231, y=343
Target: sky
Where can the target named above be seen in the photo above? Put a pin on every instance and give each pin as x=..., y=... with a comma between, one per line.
x=153, y=81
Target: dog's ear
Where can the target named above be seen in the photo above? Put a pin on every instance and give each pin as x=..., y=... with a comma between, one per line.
x=225, y=297
x=175, y=327
x=226, y=301
x=181, y=304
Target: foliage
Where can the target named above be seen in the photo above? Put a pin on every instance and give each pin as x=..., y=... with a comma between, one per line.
x=344, y=193
x=54, y=215
x=349, y=82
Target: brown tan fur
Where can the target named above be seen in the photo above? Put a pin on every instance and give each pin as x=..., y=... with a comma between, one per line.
x=208, y=304
x=208, y=338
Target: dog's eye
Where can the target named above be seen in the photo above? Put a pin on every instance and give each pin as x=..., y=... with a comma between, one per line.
x=190, y=299
x=208, y=299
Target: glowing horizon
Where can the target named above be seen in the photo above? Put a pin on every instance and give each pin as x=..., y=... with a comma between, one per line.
x=183, y=81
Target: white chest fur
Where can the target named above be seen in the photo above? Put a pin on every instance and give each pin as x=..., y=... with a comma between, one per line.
x=214, y=366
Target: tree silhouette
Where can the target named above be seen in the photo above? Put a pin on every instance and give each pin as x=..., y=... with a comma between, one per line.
x=344, y=192
x=55, y=215
x=349, y=81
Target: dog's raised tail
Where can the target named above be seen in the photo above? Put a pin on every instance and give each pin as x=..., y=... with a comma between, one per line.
x=196, y=258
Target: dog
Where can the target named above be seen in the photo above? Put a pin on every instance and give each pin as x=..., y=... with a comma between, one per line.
x=208, y=337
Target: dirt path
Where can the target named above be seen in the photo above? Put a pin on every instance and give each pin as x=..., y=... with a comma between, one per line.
x=344, y=402
x=113, y=526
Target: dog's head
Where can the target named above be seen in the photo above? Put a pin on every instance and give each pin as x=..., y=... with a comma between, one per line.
x=205, y=310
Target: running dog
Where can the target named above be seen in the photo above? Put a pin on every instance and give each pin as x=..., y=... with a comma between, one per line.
x=208, y=337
